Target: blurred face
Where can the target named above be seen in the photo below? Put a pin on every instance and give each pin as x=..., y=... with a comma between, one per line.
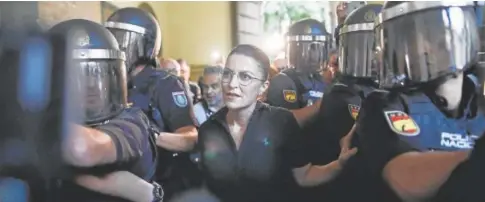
x=329, y=72
x=451, y=90
x=96, y=90
x=341, y=15
x=171, y=66
x=280, y=64
x=242, y=81
x=185, y=71
x=211, y=88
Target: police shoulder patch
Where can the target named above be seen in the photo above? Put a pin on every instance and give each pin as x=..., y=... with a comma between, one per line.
x=289, y=95
x=354, y=111
x=180, y=99
x=401, y=123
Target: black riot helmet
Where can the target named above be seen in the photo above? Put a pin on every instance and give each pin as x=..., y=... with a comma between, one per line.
x=357, y=41
x=480, y=72
x=94, y=51
x=424, y=41
x=138, y=35
x=307, y=47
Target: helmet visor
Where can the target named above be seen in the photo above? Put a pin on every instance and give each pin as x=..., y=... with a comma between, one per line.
x=426, y=45
x=356, y=53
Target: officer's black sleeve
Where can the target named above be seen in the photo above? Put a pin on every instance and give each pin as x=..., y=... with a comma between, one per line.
x=174, y=104
x=467, y=180
x=333, y=122
x=129, y=133
x=282, y=92
x=379, y=144
x=294, y=144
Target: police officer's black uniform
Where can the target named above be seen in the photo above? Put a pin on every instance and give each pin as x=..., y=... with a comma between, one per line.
x=301, y=85
x=93, y=51
x=161, y=96
x=356, y=79
x=414, y=57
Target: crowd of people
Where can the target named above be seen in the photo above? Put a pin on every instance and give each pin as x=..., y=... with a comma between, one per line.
x=394, y=114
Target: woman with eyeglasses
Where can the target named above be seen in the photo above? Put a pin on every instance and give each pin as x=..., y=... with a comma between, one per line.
x=251, y=151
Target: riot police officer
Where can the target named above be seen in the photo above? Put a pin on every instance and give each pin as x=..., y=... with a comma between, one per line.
x=161, y=96
x=301, y=85
x=115, y=137
x=342, y=102
x=342, y=10
x=417, y=138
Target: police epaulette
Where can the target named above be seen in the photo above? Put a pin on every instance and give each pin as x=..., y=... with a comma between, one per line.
x=166, y=76
x=340, y=84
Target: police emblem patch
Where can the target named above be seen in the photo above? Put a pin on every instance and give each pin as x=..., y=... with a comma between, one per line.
x=179, y=98
x=401, y=123
x=82, y=38
x=289, y=95
x=354, y=111
x=370, y=16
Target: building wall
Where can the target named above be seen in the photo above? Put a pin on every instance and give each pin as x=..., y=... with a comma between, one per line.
x=190, y=30
x=54, y=12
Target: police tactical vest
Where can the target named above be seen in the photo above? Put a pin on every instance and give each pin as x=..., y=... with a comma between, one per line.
x=143, y=98
x=309, y=88
x=434, y=130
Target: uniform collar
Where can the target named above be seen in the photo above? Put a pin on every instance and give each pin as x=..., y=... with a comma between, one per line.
x=141, y=80
x=220, y=116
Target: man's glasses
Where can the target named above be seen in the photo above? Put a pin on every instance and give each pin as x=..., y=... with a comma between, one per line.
x=244, y=77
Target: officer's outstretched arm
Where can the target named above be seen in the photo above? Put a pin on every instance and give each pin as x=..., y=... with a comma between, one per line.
x=87, y=147
x=417, y=176
x=121, y=184
x=177, y=113
x=117, y=141
x=282, y=92
x=312, y=175
x=183, y=139
x=296, y=153
x=413, y=175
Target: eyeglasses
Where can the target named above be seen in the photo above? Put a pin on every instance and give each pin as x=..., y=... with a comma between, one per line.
x=244, y=78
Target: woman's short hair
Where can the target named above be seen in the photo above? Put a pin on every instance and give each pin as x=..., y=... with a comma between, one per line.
x=255, y=53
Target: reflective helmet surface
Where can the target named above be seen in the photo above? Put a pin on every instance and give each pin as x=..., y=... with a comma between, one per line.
x=422, y=41
x=479, y=12
x=138, y=35
x=307, y=47
x=357, y=41
x=93, y=50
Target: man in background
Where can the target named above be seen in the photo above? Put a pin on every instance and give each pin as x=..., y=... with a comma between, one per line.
x=192, y=87
x=212, y=96
x=171, y=66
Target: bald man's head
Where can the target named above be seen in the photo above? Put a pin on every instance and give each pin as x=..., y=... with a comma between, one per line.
x=280, y=62
x=172, y=66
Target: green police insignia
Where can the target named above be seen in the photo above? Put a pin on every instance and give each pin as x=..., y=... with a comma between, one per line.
x=370, y=15
x=179, y=98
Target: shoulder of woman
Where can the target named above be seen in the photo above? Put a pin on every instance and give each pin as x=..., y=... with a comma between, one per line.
x=279, y=112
